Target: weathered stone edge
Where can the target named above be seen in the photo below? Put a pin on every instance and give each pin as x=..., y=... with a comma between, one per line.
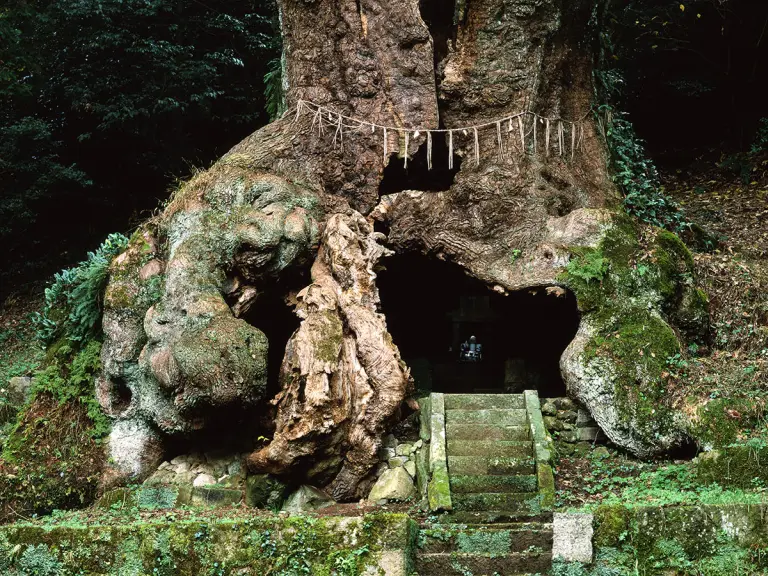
x=390, y=536
x=439, y=488
x=542, y=444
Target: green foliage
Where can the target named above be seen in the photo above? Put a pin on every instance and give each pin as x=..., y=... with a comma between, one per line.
x=297, y=555
x=103, y=105
x=273, y=89
x=73, y=302
x=38, y=561
x=201, y=542
x=20, y=355
x=636, y=174
x=53, y=457
x=608, y=562
x=70, y=377
x=676, y=484
x=589, y=266
x=494, y=544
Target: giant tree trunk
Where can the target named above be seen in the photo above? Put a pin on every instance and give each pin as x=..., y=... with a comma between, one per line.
x=288, y=197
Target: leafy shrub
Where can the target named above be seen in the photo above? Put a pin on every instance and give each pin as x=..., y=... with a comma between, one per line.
x=73, y=302
x=39, y=561
x=636, y=174
x=72, y=381
x=54, y=456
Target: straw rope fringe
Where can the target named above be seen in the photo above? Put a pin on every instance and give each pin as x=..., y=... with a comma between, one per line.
x=323, y=117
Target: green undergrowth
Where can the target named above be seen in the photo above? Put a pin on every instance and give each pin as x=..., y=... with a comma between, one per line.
x=635, y=173
x=677, y=485
x=701, y=540
x=20, y=356
x=73, y=302
x=738, y=475
x=53, y=455
x=668, y=558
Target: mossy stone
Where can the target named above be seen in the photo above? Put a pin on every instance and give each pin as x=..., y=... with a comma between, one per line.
x=265, y=491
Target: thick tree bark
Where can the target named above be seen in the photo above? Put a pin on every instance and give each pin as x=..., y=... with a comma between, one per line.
x=341, y=371
x=287, y=196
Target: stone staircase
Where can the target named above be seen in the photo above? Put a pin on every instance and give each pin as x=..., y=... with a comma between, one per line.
x=497, y=456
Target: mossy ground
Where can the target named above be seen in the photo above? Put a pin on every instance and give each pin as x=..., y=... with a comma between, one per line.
x=594, y=478
x=726, y=380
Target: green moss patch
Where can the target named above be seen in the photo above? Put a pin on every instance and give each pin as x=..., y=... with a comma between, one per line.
x=53, y=457
x=207, y=545
x=716, y=540
x=738, y=465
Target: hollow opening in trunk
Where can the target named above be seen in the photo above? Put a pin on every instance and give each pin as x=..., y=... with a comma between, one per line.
x=439, y=17
x=272, y=315
x=433, y=310
x=418, y=176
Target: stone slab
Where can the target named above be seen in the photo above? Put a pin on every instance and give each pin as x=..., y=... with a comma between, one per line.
x=572, y=537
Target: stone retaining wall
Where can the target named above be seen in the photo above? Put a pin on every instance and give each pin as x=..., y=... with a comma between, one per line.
x=568, y=422
x=378, y=544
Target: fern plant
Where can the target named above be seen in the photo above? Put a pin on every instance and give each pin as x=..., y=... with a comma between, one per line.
x=73, y=303
x=588, y=267
x=273, y=89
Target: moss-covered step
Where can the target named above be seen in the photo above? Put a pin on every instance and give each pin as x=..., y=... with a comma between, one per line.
x=489, y=417
x=493, y=517
x=516, y=503
x=510, y=449
x=495, y=539
x=484, y=564
x=464, y=465
x=469, y=484
x=461, y=431
x=483, y=401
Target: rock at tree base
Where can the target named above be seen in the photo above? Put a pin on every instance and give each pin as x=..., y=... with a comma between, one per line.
x=306, y=499
x=18, y=390
x=394, y=485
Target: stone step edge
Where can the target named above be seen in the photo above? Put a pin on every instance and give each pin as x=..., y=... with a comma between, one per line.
x=483, y=483
x=513, y=526
x=492, y=518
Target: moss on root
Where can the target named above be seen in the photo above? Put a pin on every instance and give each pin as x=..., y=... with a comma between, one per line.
x=633, y=290
x=127, y=291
